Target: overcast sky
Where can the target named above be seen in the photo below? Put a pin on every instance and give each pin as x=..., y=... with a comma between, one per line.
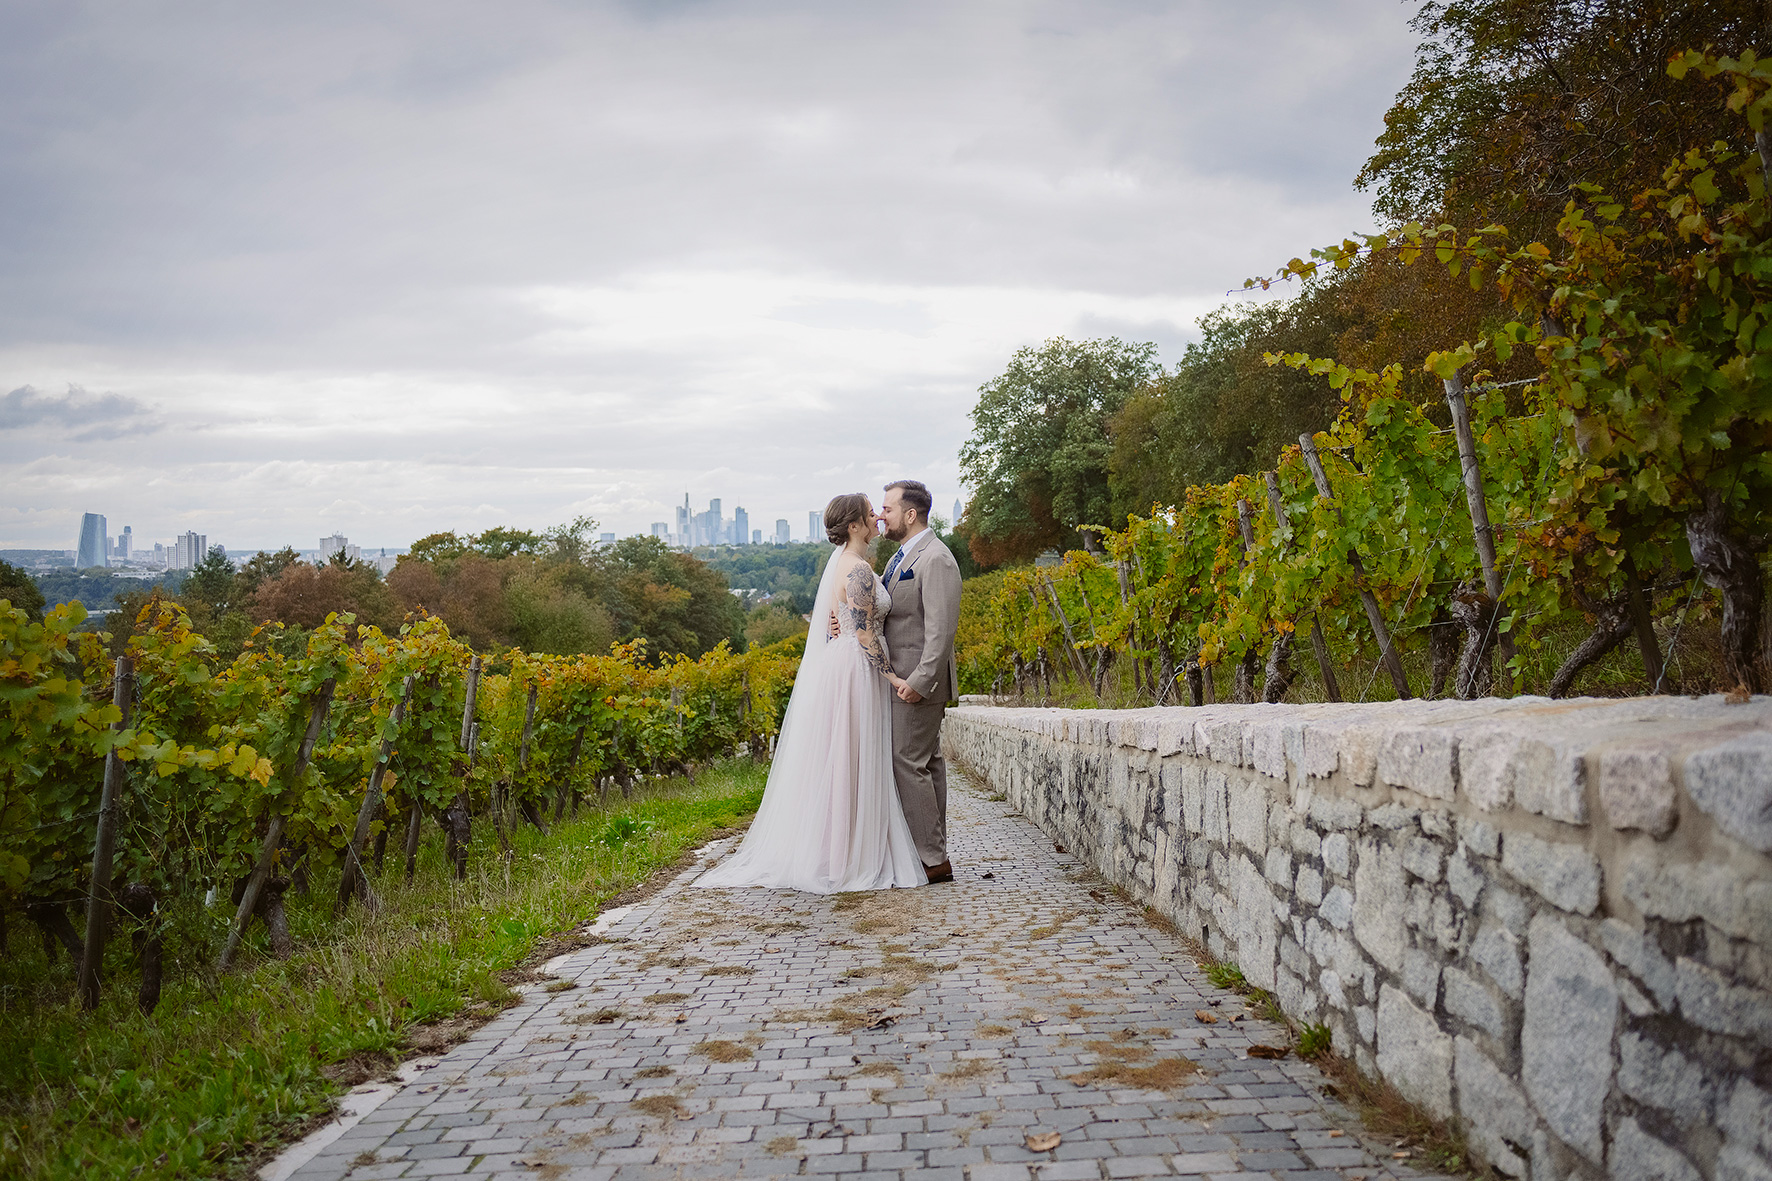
x=272, y=271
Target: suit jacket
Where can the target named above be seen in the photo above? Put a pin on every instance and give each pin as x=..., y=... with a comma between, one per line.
x=925, y=615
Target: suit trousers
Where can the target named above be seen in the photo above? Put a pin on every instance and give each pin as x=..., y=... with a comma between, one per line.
x=922, y=775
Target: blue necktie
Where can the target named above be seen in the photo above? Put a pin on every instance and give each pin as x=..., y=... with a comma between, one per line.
x=892, y=568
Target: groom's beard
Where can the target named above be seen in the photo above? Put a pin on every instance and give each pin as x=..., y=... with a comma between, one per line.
x=898, y=534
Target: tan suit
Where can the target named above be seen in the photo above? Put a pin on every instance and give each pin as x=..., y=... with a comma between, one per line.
x=920, y=630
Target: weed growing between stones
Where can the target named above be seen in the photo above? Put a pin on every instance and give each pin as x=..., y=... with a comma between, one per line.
x=1313, y=1041
x=659, y=1106
x=1417, y=1137
x=723, y=1051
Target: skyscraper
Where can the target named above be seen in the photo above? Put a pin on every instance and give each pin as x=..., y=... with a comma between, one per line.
x=337, y=543
x=815, y=526
x=189, y=549
x=741, y=526
x=956, y=519
x=95, y=543
x=781, y=531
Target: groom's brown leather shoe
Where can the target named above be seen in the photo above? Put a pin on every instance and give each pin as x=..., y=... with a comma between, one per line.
x=941, y=873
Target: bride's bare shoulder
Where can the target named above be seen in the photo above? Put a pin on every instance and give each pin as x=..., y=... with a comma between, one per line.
x=852, y=572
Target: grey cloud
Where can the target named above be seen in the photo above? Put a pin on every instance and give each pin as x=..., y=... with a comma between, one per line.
x=314, y=232
x=90, y=417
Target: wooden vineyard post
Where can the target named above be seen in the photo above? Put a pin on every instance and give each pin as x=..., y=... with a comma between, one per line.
x=98, y=897
x=1644, y=626
x=352, y=877
x=1479, y=509
x=527, y=806
x=455, y=820
x=414, y=818
x=1244, y=694
x=1070, y=642
x=1393, y=664
x=1319, y=645
x=267, y=851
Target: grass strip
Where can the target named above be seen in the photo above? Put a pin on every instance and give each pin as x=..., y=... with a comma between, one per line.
x=230, y=1067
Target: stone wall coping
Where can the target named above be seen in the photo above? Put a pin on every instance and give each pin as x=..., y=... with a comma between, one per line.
x=1529, y=753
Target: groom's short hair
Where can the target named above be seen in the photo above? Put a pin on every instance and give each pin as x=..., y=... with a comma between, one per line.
x=914, y=495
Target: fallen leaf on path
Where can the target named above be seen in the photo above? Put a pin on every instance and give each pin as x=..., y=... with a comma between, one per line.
x=1043, y=1141
x=1204, y=1017
x=1040, y=1020
x=1334, y=1132
x=682, y=1017
x=1261, y=1051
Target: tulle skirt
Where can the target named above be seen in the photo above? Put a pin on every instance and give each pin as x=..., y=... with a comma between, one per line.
x=830, y=820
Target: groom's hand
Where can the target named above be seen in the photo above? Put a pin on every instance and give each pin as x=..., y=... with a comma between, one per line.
x=833, y=630
x=908, y=694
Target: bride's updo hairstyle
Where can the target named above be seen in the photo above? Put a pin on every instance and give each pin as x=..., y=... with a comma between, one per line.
x=842, y=512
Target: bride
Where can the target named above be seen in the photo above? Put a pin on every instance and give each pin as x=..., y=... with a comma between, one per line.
x=830, y=819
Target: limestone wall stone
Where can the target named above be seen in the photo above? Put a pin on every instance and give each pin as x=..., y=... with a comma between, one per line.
x=1549, y=920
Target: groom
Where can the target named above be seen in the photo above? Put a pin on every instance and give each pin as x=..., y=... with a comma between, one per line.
x=924, y=582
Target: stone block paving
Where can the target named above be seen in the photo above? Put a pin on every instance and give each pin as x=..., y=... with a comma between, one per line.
x=928, y=1033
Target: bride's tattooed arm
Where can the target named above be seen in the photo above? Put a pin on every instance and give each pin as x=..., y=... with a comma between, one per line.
x=860, y=586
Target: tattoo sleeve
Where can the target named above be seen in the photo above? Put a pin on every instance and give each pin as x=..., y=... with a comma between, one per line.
x=862, y=613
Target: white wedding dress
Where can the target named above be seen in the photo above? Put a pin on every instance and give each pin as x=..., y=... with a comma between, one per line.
x=830, y=819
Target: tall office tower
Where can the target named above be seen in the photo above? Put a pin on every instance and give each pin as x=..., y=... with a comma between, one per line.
x=338, y=543
x=815, y=526
x=781, y=531
x=661, y=529
x=189, y=549
x=95, y=543
x=741, y=526
x=956, y=519
x=756, y=537
x=683, y=518
x=121, y=549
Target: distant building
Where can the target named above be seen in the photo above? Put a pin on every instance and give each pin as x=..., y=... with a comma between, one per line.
x=95, y=543
x=189, y=549
x=336, y=544
x=606, y=538
x=741, y=526
x=662, y=530
x=815, y=526
x=956, y=519
x=781, y=531
x=121, y=549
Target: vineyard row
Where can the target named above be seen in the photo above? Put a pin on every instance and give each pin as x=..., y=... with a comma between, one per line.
x=165, y=775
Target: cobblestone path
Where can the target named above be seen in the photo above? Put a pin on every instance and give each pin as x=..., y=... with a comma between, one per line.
x=935, y=1032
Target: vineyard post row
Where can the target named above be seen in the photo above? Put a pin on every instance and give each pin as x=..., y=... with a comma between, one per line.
x=1254, y=577
x=249, y=777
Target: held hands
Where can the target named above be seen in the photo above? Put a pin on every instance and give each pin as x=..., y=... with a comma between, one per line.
x=899, y=685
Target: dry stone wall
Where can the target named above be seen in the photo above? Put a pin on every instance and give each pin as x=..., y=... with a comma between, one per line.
x=1548, y=920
